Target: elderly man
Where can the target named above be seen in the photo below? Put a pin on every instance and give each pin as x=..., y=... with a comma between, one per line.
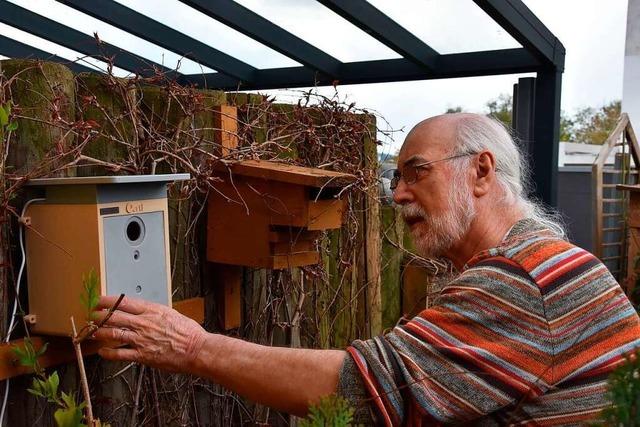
x=527, y=332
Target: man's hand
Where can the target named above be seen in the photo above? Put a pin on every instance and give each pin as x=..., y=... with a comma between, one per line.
x=287, y=379
x=157, y=335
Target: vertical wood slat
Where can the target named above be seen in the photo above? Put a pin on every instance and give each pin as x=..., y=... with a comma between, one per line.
x=229, y=277
x=372, y=237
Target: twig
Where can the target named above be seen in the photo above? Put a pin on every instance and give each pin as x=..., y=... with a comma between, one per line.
x=88, y=330
x=83, y=375
x=136, y=402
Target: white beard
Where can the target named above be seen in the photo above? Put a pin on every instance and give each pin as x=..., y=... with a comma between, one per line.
x=437, y=233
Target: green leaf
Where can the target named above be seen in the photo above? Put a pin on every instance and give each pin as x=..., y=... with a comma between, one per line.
x=53, y=382
x=12, y=126
x=42, y=350
x=91, y=294
x=69, y=417
x=26, y=354
x=7, y=108
x=4, y=117
x=332, y=410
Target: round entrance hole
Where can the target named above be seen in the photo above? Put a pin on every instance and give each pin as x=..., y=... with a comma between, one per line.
x=135, y=230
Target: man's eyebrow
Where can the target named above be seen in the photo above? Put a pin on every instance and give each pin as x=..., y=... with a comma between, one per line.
x=414, y=159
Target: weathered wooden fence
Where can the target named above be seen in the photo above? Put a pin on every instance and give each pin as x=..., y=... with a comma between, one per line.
x=103, y=125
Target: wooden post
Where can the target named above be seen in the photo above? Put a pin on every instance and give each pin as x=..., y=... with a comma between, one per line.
x=392, y=230
x=372, y=237
x=43, y=96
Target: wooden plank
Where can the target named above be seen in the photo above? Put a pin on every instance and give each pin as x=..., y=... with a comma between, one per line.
x=60, y=350
x=283, y=262
x=596, y=186
x=193, y=308
x=633, y=143
x=291, y=234
x=392, y=229
x=628, y=187
x=633, y=262
x=633, y=216
x=292, y=247
x=326, y=214
x=225, y=122
x=415, y=287
x=611, y=140
x=229, y=291
x=372, y=236
x=283, y=172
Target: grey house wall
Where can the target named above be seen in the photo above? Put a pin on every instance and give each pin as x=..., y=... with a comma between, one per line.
x=575, y=203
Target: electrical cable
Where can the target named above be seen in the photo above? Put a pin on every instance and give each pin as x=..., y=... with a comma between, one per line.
x=15, y=301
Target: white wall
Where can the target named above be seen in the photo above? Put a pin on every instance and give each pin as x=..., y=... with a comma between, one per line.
x=631, y=84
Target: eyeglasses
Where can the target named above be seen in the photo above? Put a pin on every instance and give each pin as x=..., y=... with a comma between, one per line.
x=410, y=175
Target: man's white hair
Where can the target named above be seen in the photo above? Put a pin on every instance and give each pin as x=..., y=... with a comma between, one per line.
x=476, y=133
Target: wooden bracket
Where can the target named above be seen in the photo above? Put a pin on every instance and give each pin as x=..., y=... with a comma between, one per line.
x=228, y=291
x=60, y=350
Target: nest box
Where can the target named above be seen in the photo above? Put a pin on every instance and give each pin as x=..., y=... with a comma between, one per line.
x=268, y=215
x=114, y=225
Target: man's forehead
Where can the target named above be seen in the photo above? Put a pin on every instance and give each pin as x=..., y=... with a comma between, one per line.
x=425, y=142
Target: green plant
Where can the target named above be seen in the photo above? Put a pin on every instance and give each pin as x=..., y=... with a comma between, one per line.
x=6, y=125
x=91, y=294
x=69, y=412
x=624, y=394
x=330, y=411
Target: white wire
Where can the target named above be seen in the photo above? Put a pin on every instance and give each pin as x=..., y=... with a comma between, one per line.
x=15, y=302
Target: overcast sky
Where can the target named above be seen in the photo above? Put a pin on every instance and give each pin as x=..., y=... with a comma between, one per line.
x=592, y=31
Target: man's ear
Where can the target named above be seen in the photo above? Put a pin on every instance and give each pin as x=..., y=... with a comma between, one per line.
x=485, y=173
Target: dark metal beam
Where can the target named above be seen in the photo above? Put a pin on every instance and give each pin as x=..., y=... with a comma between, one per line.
x=153, y=31
x=505, y=61
x=47, y=29
x=258, y=28
x=523, y=116
x=15, y=49
x=526, y=28
x=378, y=25
x=546, y=132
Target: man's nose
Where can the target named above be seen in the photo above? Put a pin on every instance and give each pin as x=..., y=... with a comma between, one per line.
x=402, y=195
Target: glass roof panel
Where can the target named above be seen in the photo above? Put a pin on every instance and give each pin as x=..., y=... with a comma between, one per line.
x=86, y=24
x=321, y=27
x=58, y=50
x=191, y=22
x=448, y=26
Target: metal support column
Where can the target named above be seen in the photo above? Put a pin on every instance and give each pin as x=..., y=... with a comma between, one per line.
x=523, y=113
x=546, y=131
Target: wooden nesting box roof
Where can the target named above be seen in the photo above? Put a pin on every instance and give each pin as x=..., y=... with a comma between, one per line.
x=632, y=188
x=283, y=172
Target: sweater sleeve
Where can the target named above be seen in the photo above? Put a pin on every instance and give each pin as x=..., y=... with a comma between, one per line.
x=485, y=345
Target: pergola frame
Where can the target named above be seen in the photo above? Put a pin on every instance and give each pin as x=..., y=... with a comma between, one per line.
x=542, y=53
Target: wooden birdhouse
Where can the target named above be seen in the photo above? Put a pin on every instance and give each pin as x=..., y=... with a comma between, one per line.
x=116, y=226
x=268, y=215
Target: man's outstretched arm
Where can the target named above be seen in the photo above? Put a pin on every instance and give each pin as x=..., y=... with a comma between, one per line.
x=286, y=379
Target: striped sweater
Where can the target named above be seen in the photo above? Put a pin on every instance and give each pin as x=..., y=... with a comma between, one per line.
x=526, y=335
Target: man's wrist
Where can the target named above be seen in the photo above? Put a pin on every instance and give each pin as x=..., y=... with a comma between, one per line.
x=206, y=361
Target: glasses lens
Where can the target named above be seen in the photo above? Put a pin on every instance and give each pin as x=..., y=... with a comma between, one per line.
x=395, y=179
x=410, y=174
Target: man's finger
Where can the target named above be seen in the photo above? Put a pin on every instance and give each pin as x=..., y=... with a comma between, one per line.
x=121, y=354
x=119, y=335
x=119, y=319
x=130, y=305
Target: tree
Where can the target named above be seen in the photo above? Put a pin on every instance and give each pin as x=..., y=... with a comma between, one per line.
x=500, y=109
x=592, y=126
x=457, y=109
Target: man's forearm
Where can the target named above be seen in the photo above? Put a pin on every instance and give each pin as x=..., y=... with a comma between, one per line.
x=286, y=379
